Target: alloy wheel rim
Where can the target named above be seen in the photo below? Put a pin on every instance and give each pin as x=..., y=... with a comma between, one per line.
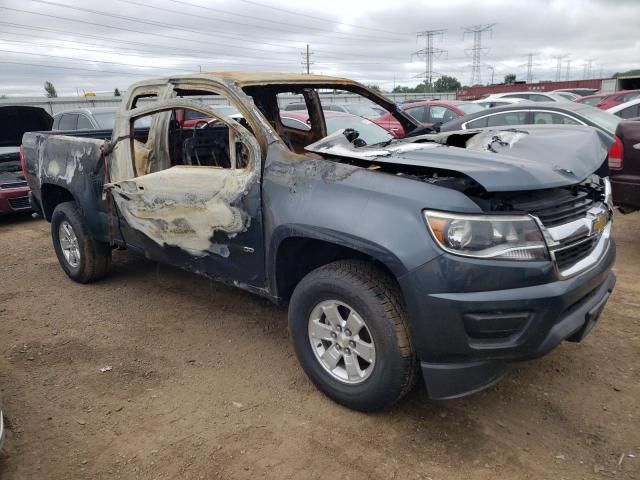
x=69, y=244
x=342, y=341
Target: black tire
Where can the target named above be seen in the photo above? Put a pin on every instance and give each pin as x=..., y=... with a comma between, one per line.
x=95, y=257
x=377, y=299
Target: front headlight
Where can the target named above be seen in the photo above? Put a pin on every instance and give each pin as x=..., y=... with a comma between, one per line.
x=508, y=237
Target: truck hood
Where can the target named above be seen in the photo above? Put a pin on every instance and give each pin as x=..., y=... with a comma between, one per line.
x=501, y=159
x=16, y=120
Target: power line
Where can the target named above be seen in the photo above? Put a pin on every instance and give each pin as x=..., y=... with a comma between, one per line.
x=163, y=49
x=119, y=52
x=251, y=17
x=429, y=52
x=298, y=14
x=477, y=50
x=87, y=60
x=98, y=72
x=161, y=24
x=172, y=37
x=164, y=25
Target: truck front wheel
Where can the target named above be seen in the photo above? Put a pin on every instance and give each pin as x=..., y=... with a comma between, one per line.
x=349, y=330
x=81, y=257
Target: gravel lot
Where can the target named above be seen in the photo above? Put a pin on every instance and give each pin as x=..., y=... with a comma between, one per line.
x=204, y=384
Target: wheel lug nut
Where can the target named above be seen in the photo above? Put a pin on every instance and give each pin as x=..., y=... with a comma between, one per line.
x=338, y=328
x=347, y=332
x=333, y=335
x=338, y=347
x=347, y=350
x=352, y=343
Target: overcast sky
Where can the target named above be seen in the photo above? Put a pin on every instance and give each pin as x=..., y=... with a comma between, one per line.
x=93, y=45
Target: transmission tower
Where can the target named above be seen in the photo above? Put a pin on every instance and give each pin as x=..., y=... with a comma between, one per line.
x=530, y=66
x=306, y=56
x=568, y=74
x=429, y=52
x=559, y=58
x=476, y=51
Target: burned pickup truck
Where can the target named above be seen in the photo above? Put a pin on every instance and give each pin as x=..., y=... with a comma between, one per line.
x=452, y=255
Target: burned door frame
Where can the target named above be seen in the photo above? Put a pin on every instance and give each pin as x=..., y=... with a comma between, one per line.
x=203, y=219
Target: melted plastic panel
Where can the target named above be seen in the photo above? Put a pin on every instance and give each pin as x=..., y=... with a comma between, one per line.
x=499, y=160
x=185, y=206
x=61, y=157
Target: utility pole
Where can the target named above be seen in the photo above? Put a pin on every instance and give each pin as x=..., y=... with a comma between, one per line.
x=493, y=71
x=429, y=52
x=307, y=58
x=568, y=74
x=477, y=51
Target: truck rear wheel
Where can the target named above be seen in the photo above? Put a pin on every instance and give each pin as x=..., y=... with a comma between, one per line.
x=82, y=258
x=349, y=331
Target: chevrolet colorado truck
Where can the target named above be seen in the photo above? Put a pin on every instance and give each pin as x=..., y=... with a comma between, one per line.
x=453, y=256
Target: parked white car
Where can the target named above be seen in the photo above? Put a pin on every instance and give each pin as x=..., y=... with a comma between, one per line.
x=630, y=109
x=531, y=96
x=497, y=102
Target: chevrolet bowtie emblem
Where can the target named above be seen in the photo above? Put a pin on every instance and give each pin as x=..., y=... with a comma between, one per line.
x=599, y=223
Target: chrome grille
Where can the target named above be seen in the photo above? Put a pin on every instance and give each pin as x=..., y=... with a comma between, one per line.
x=579, y=243
x=566, y=210
x=570, y=255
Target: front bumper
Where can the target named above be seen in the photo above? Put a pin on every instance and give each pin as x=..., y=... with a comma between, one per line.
x=467, y=341
x=14, y=200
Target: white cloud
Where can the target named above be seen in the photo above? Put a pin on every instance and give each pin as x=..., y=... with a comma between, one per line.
x=78, y=49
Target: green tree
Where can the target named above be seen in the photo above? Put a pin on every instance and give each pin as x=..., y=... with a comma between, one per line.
x=420, y=88
x=446, y=84
x=116, y=92
x=402, y=89
x=374, y=87
x=510, y=78
x=50, y=90
x=627, y=73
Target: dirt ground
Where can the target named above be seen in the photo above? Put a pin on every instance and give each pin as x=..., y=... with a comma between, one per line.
x=204, y=384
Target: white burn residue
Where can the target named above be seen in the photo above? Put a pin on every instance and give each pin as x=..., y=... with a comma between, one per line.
x=64, y=167
x=185, y=206
x=485, y=141
x=337, y=144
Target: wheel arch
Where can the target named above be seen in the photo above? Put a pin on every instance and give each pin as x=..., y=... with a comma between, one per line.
x=52, y=195
x=298, y=250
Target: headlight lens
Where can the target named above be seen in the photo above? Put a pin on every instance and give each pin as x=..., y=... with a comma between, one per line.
x=508, y=237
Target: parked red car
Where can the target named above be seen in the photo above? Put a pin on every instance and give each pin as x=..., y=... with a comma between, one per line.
x=193, y=118
x=608, y=100
x=428, y=113
x=370, y=132
x=14, y=122
x=624, y=165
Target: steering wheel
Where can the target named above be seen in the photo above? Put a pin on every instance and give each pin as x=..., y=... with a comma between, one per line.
x=199, y=125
